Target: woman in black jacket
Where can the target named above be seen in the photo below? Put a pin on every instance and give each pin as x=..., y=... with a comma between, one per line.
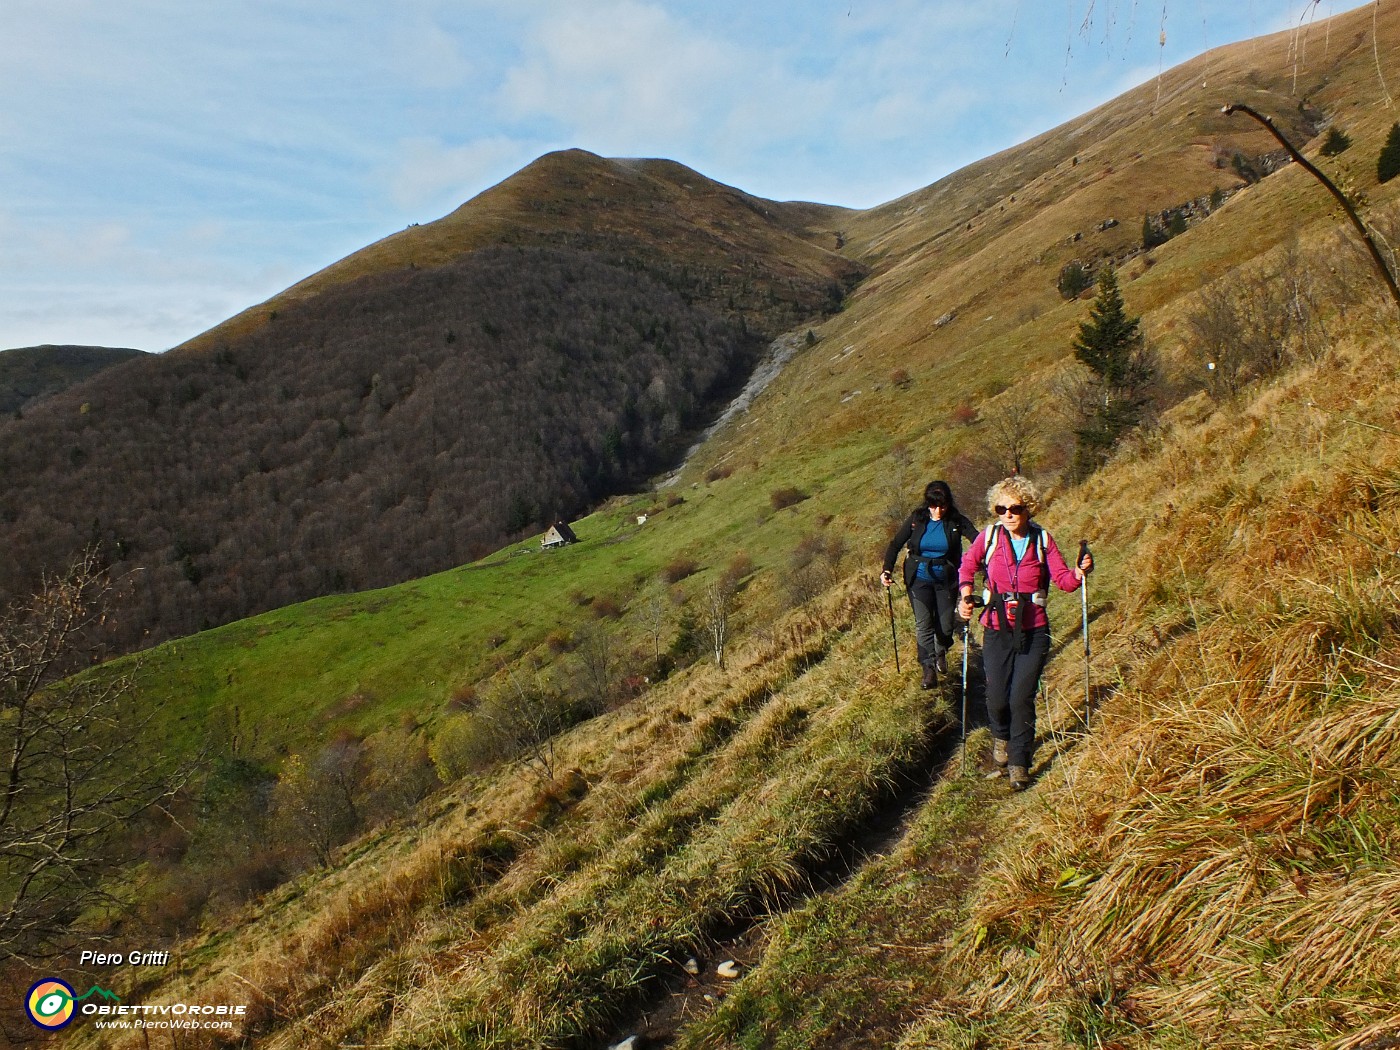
x=933, y=536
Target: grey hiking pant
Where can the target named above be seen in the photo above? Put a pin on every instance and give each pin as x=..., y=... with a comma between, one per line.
x=934, y=606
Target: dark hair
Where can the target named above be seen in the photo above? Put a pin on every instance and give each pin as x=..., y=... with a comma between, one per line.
x=937, y=493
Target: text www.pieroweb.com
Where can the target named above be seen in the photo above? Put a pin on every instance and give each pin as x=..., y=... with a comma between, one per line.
x=180, y=1017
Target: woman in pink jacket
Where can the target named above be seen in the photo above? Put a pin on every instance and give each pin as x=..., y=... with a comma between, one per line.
x=1019, y=560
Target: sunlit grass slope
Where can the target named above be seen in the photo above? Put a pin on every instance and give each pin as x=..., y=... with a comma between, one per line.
x=358, y=662
x=1211, y=864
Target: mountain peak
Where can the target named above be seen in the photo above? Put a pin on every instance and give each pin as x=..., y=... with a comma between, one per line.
x=573, y=195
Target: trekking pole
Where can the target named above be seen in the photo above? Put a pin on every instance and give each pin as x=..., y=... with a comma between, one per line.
x=1084, y=605
x=967, y=633
x=889, y=595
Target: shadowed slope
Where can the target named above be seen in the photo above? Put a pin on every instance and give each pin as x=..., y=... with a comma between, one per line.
x=591, y=201
x=556, y=341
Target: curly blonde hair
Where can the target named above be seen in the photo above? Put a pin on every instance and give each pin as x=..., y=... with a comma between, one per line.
x=1014, y=490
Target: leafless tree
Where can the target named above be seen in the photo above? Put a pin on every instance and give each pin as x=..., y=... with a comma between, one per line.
x=654, y=613
x=718, y=611
x=1212, y=330
x=79, y=768
x=400, y=773
x=814, y=566
x=897, y=484
x=598, y=662
x=316, y=804
x=1015, y=429
x=1249, y=325
x=522, y=720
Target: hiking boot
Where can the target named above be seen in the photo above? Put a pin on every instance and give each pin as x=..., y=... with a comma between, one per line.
x=1018, y=777
x=940, y=663
x=999, y=754
x=930, y=678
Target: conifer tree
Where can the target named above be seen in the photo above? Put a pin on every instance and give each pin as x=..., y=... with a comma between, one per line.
x=1388, y=166
x=1107, y=340
x=1337, y=142
x=1111, y=345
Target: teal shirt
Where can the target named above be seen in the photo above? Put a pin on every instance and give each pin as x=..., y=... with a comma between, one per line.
x=1018, y=546
x=934, y=544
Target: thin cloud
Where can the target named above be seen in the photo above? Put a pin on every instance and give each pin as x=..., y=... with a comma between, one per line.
x=187, y=156
x=622, y=74
x=432, y=174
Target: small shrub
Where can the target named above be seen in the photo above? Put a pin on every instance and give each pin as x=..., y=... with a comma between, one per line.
x=607, y=608
x=1153, y=235
x=1245, y=168
x=463, y=698
x=678, y=569
x=685, y=645
x=900, y=378
x=719, y=472
x=814, y=566
x=675, y=499
x=970, y=475
x=559, y=641
x=740, y=568
x=556, y=798
x=964, y=415
x=176, y=903
x=1074, y=280
x=788, y=496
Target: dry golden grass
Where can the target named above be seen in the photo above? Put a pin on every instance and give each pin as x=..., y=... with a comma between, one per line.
x=1218, y=859
x=700, y=808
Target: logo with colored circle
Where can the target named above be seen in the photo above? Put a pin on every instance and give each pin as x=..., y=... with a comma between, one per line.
x=50, y=1003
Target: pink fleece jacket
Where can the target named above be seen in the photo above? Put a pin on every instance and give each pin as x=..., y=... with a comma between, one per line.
x=1005, y=574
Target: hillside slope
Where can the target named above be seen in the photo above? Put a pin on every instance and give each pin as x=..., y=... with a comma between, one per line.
x=1207, y=855
x=575, y=195
x=557, y=340
x=29, y=373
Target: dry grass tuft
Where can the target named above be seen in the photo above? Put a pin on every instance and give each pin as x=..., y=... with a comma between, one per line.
x=1220, y=858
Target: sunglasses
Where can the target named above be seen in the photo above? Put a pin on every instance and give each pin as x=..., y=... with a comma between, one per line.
x=1015, y=508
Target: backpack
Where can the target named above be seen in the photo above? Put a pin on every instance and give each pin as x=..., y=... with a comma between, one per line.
x=995, y=600
x=994, y=532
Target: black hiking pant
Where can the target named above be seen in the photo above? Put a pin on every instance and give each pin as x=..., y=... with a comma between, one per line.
x=1012, y=678
x=934, y=606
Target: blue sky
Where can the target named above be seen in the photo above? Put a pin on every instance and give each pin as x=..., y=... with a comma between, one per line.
x=166, y=163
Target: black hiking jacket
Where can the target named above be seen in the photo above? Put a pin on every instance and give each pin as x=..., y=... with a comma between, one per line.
x=957, y=527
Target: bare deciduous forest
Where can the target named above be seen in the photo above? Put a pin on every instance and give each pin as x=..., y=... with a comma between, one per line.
x=386, y=429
